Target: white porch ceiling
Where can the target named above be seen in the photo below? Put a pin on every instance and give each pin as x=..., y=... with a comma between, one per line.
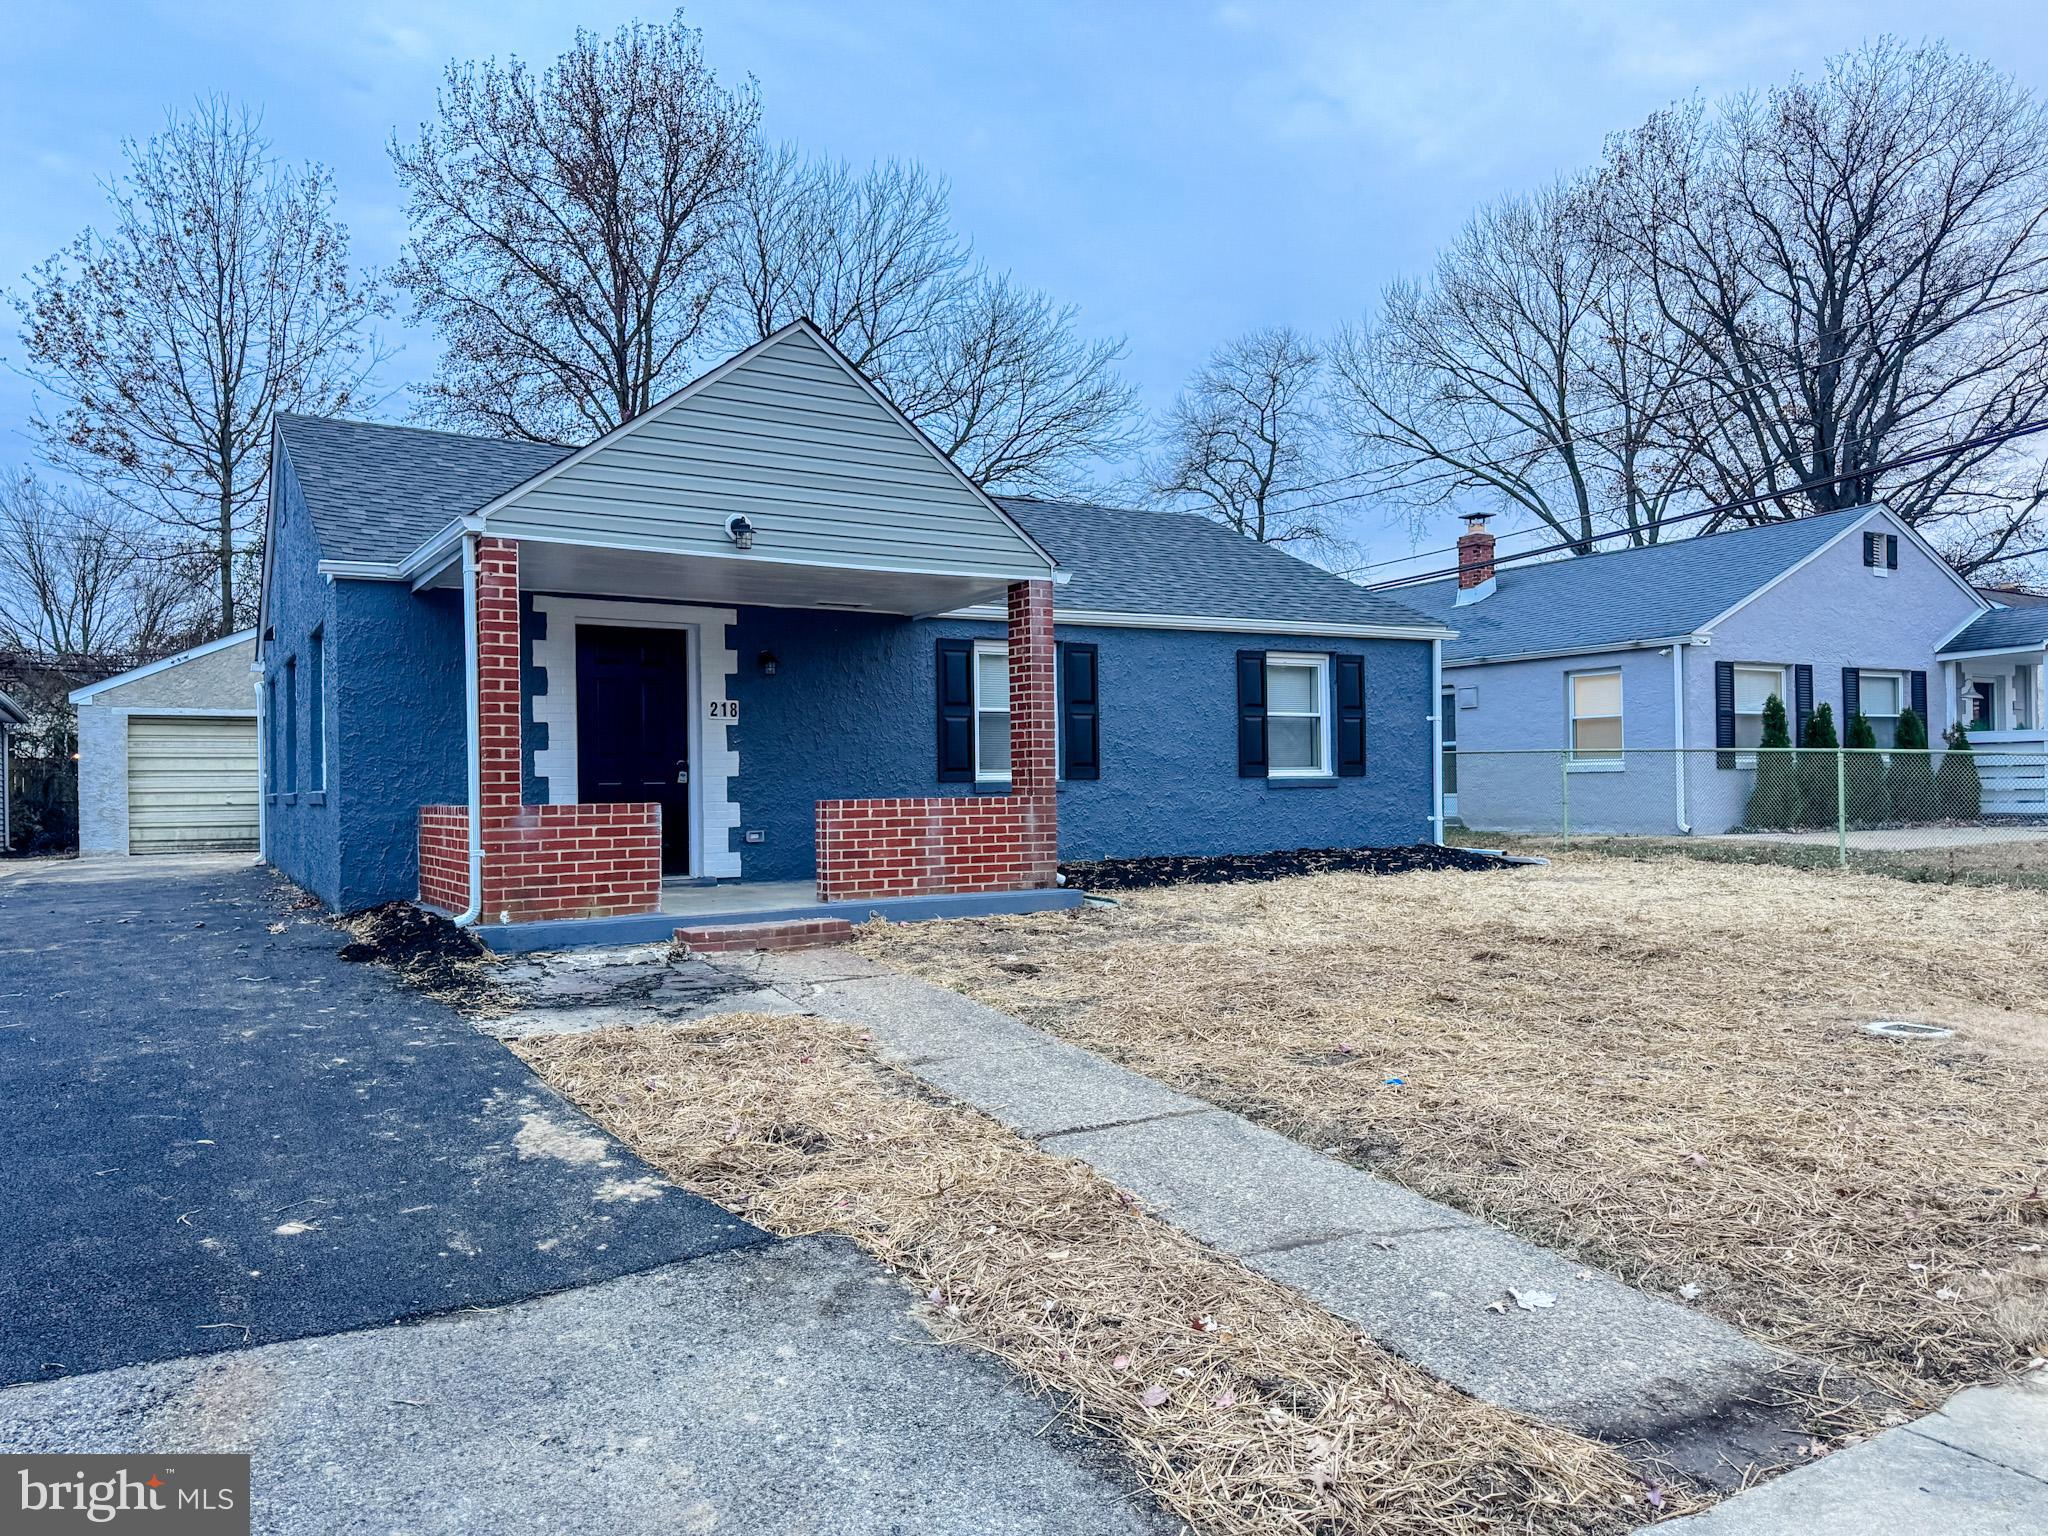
x=738, y=579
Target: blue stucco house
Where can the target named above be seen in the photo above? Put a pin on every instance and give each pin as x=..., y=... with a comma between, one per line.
x=765, y=645
x=1618, y=683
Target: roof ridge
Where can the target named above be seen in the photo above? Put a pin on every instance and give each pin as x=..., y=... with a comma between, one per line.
x=1569, y=561
x=406, y=426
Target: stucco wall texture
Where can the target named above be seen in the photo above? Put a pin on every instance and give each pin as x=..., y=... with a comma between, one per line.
x=849, y=714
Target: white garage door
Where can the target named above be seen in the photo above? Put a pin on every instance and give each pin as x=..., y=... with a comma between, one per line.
x=191, y=784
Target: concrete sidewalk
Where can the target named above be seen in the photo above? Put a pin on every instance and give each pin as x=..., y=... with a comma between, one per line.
x=1979, y=1467
x=777, y=1388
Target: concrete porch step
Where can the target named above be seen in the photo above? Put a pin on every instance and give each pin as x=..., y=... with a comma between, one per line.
x=729, y=938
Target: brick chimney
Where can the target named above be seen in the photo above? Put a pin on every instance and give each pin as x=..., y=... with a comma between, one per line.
x=1475, y=552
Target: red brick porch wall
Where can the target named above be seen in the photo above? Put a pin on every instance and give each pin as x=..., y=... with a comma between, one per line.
x=540, y=861
x=951, y=844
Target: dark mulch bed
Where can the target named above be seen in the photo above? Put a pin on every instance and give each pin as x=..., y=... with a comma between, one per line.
x=1142, y=874
x=427, y=951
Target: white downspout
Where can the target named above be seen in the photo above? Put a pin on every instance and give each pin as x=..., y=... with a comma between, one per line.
x=1436, y=741
x=1678, y=730
x=472, y=729
x=262, y=764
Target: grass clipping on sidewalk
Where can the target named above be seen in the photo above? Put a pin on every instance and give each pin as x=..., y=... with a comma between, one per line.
x=1658, y=1066
x=1246, y=1408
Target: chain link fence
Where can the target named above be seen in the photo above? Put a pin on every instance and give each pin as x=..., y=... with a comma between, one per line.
x=1838, y=804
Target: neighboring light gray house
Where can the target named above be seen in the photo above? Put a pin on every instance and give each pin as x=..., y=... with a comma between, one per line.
x=12, y=718
x=1620, y=681
x=167, y=754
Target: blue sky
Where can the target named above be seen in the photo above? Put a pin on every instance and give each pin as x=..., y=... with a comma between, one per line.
x=1183, y=172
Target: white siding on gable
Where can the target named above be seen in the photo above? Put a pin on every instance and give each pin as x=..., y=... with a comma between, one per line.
x=824, y=471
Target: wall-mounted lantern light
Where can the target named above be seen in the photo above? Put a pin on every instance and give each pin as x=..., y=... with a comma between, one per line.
x=740, y=530
x=767, y=663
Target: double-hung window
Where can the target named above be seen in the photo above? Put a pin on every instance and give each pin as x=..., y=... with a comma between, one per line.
x=1297, y=716
x=316, y=719
x=291, y=725
x=1596, y=719
x=1880, y=696
x=1754, y=687
x=991, y=712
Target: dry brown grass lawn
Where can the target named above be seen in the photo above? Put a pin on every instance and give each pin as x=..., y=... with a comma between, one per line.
x=1657, y=1065
x=1247, y=1409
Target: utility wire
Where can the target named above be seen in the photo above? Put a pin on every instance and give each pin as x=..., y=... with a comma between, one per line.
x=1652, y=524
x=1990, y=439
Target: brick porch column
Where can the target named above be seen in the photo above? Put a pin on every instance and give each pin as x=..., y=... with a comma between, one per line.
x=497, y=676
x=1033, y=699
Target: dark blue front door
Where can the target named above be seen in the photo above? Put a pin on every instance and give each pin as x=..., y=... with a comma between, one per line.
x=633, y=727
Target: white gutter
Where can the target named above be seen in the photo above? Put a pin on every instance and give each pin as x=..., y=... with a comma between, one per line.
x=1678, y=728
x=472, y=731
x=1697, y=637
x=1436, y=740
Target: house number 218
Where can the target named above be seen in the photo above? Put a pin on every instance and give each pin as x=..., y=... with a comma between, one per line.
x=725, y=709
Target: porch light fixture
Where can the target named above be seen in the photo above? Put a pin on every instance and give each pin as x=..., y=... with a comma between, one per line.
x=740, y=531
x=767, y=662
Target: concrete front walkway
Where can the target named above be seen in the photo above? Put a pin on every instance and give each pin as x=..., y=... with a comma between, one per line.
x=1494, y=1315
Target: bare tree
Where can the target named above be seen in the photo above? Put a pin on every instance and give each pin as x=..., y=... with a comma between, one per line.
x=565, y=230
x=997, y=374
x=1013, y=393
x=1532, y=369
x=1860, y=265
x=868, y=257
x=82, y=577
x=220, y=296
x=1245, y=442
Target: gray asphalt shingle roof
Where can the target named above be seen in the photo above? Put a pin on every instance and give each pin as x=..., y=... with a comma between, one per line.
x=2002, y=629
x=376, y=492
x=1622, y=597
x=1125, y=561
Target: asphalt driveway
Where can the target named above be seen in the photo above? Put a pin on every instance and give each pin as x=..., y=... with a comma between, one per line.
x=218, y=1135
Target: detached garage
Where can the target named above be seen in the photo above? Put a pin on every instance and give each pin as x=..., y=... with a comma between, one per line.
x=167, y=755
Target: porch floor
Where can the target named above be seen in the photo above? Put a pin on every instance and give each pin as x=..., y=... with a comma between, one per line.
x=680, y=898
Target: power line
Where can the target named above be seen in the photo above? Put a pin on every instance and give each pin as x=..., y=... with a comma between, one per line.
x=1659, y=522
x=1593, y=433
x=1922, y=456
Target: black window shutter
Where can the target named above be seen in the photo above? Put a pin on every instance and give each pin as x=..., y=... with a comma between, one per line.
x=1802, y=702
x=1852, y=693
x=1891, y=551
x=1348, y=676
x=1251, y=714
x=1920, y=702
x=1872, y=547
x=1080, y=713
x=1724, y=712
x=955, y=693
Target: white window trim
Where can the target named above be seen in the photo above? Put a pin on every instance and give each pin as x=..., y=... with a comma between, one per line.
x=987, y=648
x=1573, y=764
x=1001, y=648
x=1320, y=661
x=1747, y=757
x=1905, y=687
